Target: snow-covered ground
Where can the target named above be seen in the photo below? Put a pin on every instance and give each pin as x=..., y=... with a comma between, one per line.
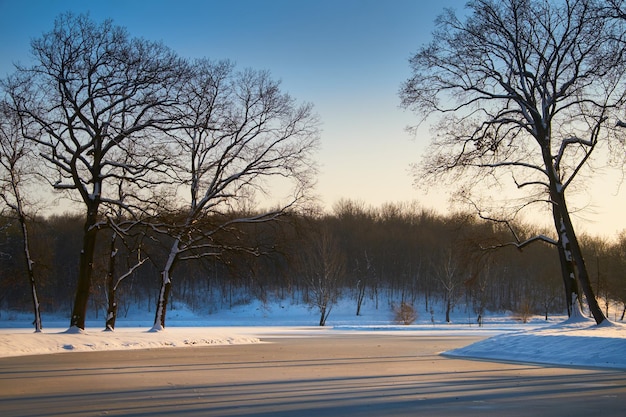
x=558, y=341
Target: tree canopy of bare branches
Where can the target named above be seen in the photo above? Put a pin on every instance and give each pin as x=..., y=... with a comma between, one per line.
x=122, y=125
x=237, y=132
x=526, y=90
x=92, y=99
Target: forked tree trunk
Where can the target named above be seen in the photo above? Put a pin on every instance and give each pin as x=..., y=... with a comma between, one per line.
x=565, y=230
x=573, y=251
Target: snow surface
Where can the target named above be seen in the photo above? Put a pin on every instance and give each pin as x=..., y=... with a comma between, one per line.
x=559, y=341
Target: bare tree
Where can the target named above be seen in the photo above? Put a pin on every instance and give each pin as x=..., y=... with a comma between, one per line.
x=365, y=273
x=447, y=270
x=16, y=162
x=127, y=220
x=121, y=230
x=526, y=90
x=92, y=98
x=323, y=265
x=237, y=133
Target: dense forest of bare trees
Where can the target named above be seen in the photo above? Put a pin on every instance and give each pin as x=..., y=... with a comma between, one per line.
x=397, y=253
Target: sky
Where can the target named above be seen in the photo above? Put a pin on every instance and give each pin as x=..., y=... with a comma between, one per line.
x=347, y=57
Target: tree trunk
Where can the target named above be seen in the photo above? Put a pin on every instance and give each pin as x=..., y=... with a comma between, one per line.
x=31, y=274
x=166, y=284
x=567, y=235
x=27, y=256
x=567, y=267
x=83, y=287
x=360, y=296
x=574, y=253
x=322, y=316
x=111, y=316
x=111, y=310
x=161, y=309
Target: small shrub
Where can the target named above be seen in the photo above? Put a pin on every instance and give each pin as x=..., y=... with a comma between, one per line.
x=405, y=313
x=524, y=311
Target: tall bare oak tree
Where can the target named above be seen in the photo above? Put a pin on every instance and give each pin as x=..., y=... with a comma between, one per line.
x=526, y=91
x=92, y=97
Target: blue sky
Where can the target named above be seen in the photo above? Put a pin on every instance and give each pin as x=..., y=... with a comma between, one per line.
x=347, y=57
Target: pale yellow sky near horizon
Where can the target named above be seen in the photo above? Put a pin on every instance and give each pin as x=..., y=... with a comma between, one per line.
x=347, y=57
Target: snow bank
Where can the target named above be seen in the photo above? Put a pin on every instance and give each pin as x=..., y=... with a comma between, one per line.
x=577, y=342
x=572, y=343
x=18, y=342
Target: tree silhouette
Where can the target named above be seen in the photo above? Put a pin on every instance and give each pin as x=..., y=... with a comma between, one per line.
x=525, y=91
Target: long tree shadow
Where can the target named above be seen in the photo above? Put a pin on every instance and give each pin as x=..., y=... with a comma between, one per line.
x=512, y=391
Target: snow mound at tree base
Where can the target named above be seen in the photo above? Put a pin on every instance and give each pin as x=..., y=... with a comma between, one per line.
x=577, y=342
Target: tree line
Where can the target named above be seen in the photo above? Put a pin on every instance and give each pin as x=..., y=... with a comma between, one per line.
x=396, y=253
